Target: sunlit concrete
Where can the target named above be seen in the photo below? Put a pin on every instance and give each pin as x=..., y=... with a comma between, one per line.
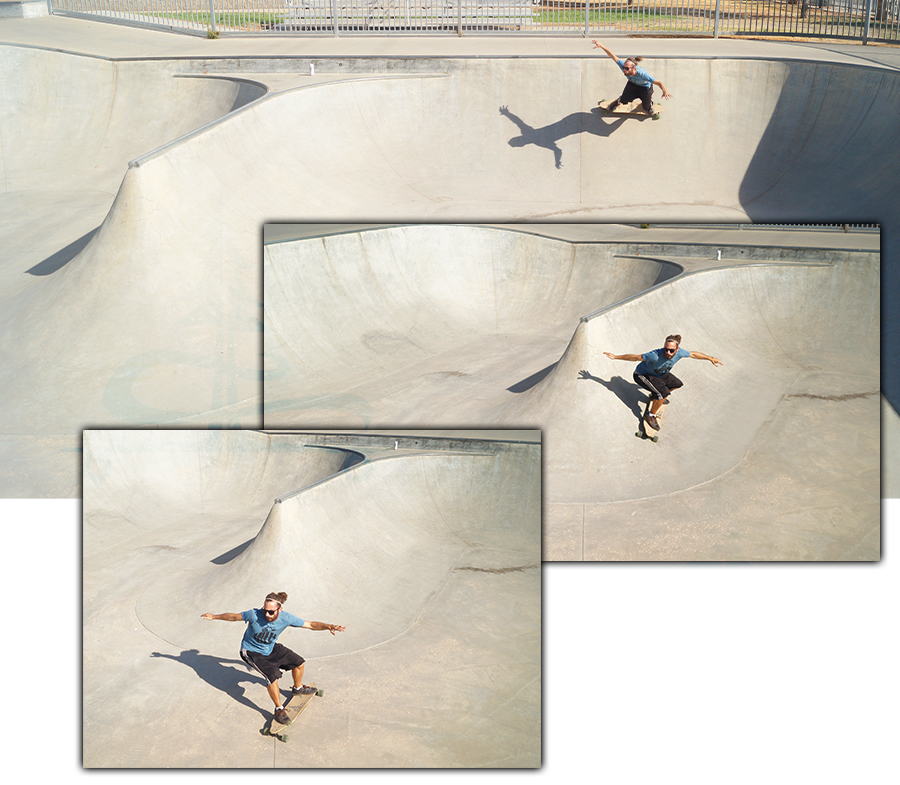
x=139, y=168
x=772, y=456
x=426, y=549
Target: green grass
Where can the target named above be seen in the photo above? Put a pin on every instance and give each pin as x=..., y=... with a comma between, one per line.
x=229, y=19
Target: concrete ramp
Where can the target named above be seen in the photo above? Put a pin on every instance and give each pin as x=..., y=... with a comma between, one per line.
x=799, y=340
x=782, y=331
x=145, y=311
x=429, y=555
x=90, y=305
x=459, y=309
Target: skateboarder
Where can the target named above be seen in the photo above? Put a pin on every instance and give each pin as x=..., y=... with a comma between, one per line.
x=261, y=652
x=655, y=375
x=639, y=84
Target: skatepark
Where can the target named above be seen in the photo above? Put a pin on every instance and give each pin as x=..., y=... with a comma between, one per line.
x=136, y=185
x=124, y=253
x=443, y=325
x=426, y=549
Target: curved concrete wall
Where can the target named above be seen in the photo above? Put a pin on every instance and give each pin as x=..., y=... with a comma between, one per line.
x=460, y=303
x=771, y=325
x=370, y=544
x=154, y=318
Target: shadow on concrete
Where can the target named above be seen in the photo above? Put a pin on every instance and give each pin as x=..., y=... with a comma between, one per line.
x=627, y=392
x=62, y=257
x=527, y=384
x=847, y=116
x=221, y=674
x=233, y=553
x=549, y=135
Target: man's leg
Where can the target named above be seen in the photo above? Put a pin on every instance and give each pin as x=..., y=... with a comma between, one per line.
x=274, y=693
x=664, y=386
x=297, y=673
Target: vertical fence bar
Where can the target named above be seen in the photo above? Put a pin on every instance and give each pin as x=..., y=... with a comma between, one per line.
x=716, y=27
x=212, y=16
x=867, y=27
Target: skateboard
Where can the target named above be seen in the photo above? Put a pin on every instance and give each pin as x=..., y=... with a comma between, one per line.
x=646, y=432
x=293, y=707
x=634, y=109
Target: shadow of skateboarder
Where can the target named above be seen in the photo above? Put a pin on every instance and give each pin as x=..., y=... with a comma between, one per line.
x=220, y=673
x=627, y=392
x=549, y=135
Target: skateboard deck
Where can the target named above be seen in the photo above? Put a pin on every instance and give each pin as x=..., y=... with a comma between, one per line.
x=646, y=432
x=293, y=707
x=634, y=109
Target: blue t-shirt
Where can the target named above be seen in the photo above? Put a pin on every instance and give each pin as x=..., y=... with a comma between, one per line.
x=657, y=362
x=639, y=77
x=260, y=635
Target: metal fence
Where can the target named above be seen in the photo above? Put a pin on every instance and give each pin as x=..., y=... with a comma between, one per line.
x=861, y=20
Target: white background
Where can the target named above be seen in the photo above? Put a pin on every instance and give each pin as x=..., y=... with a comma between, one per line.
x=652, y=673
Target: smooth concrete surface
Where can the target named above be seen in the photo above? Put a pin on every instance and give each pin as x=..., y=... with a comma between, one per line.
x=772, y=456
x=427, y=550
x=134, y=194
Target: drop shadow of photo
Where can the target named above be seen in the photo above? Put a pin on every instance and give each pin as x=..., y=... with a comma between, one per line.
x=549, y=135
x=220, y=674
x=627, y=392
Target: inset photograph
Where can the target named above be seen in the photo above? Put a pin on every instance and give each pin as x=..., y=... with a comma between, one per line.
x=374, y=599
x=705, y=392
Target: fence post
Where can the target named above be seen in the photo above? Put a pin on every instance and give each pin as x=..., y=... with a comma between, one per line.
x=334, y=17
x=212, y=15
x=716, y=29
x=459, y=17
x=868, y=24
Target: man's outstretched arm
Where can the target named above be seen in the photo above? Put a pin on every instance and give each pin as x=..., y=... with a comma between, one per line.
x=319, y=625
x=609, y=54
x=701, y=356
x=631, y=358
x=222, y=616
x=666, y=94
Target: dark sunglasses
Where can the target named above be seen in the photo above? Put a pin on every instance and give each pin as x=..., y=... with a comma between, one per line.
x=270, y=613
x=670, y=351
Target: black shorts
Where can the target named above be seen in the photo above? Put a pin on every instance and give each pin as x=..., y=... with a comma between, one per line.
x=633, y=91
x=659, y=387
x=271, y=665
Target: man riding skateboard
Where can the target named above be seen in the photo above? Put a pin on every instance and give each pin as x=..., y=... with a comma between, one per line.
x=639, y=85
x=263, y=654
x=655, y=375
